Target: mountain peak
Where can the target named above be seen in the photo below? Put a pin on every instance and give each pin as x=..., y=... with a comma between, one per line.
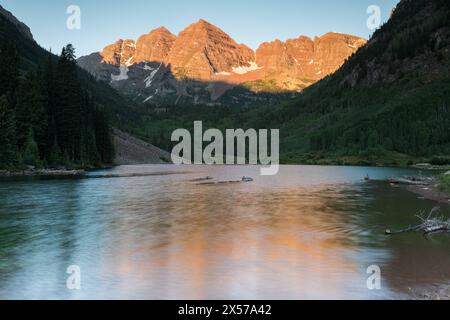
x=203, y=50
x=154, y=46
x=203, y=26
x=161, y=30
x=342, y=36
x=203, y=22
x=205, y=53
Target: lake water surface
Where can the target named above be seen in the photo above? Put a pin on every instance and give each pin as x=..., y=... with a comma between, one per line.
x=308, y=233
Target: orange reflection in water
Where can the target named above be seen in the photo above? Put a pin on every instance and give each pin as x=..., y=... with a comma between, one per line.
x=281, y=245
x=309, y=232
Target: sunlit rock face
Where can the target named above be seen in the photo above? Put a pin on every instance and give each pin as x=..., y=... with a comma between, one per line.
x=154, y=46
x=203, y=64
x=302, y=61
x=119, y=53
x=202, y=50
x=332, y=49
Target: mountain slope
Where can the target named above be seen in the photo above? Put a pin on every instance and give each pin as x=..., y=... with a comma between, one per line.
x=390, y=102
x=11, y=28
x=204, y=65
x=133, y=151
x=154, y=46
x=21, y=27
x=125, y=111
x=32, y=97
x=305, y=58
x=202, y=50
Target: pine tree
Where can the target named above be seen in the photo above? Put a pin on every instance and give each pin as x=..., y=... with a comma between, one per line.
x=9, y=64
x=55, y=157
x=49, y=92
x=46, y=118
x=104, y=142
x=30, y=154
x=31, y=111
x=7, y=135
x=68, y=105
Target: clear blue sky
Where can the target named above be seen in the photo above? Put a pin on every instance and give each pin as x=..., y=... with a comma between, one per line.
x=247, y=21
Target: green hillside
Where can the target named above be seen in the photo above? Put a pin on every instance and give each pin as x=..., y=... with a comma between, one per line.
x=389, y=104
x=53, y=113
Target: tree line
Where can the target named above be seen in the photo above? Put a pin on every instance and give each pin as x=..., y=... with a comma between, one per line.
x=46, y=118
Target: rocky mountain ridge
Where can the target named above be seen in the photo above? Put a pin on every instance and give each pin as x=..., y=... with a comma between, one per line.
x=203, y=63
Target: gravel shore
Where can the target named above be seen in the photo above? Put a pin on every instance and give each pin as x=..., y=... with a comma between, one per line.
x=436, y=292
x=430, y=192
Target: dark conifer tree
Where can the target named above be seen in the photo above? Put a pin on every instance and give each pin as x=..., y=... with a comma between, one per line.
x=103, y=136
x=7, y=135
x=31, y=113
x=46, y=118
x=8, y=85
x=68, y=105
x=9, y=73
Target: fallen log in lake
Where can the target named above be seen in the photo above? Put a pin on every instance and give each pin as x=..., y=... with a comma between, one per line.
x=411, y=181
x=432, y=224
x=243, y=180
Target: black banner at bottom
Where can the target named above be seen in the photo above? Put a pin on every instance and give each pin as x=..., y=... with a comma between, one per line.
x=224, y=309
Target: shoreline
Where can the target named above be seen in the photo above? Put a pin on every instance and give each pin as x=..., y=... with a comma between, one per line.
x=430, y=191
x=434, y=292
x=33, y=172
x=41, y=173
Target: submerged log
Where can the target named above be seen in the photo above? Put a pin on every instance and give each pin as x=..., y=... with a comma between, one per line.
x=412, y=181
x=430, y=225
x=410, y=229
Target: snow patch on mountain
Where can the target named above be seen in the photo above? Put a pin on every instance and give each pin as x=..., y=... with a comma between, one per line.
x=149, y=80
x=129, y=62
x=243, y=70
x=223, y=73
x=123, y=74
x=147, y=67
x=151, y=97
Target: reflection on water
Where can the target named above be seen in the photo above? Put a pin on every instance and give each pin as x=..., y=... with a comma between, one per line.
x=307, y=233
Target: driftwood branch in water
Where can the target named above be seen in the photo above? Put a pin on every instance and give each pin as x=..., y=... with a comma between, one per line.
x=430, y=225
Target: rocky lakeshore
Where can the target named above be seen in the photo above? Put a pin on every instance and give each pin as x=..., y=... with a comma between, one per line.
x=429, y=188
x=435, y=292
x=430, y=192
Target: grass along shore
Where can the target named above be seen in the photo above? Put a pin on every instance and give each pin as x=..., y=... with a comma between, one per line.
x=444, y=182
